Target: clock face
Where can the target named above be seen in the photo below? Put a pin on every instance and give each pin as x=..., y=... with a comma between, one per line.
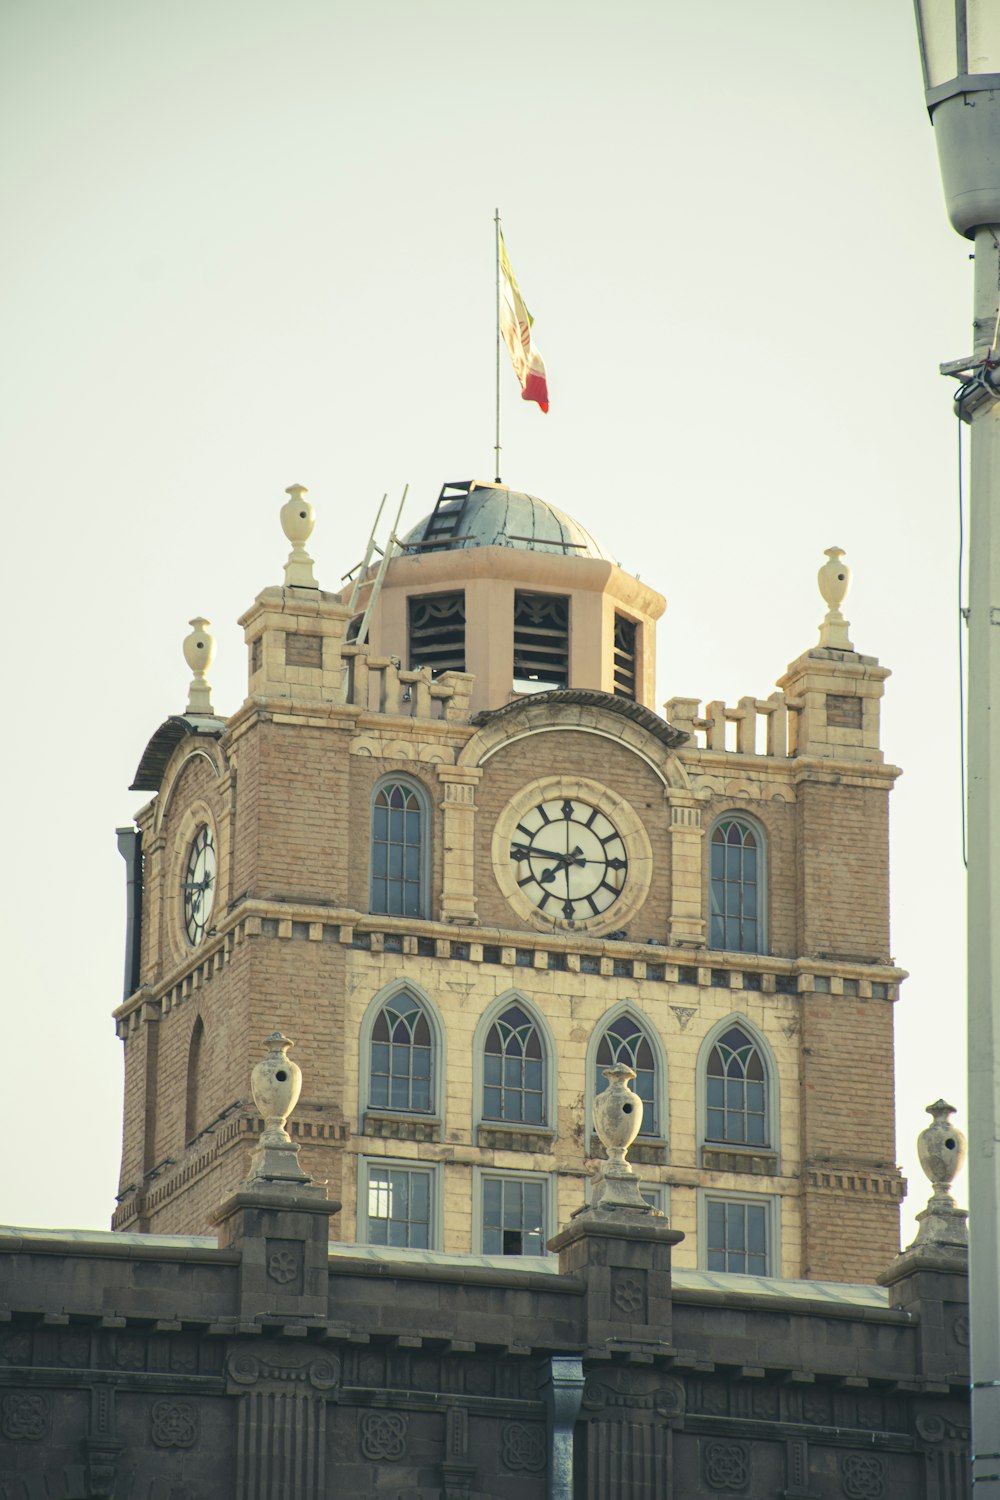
x=569, y=859
x=198, y=885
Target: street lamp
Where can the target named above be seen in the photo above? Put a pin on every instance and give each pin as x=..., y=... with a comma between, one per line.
x=960, y=53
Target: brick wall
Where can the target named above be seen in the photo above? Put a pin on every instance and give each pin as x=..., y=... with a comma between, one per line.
x=843, y=861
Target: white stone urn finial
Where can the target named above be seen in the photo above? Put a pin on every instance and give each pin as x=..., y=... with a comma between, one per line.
x=834, y=579
x=941, y=1148
x=276, y=1083
x=199, y=653
x=617, y=1118
x=298, y=518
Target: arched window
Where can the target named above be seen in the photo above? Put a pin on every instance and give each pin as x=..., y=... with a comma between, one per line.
x=514, y=1069
x=195, y=1103
x=625, y=1041
x=398, y=850
x=736, y=887
x=736, y=1103
x=402, y=1057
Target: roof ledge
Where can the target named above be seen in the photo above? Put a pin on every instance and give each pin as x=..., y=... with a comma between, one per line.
x=164, y=742
x=626, y=708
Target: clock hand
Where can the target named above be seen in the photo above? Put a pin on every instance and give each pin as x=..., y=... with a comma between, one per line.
x=522, y=851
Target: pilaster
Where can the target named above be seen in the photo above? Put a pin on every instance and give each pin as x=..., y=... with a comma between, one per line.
x=687, y=838
x=458, y=888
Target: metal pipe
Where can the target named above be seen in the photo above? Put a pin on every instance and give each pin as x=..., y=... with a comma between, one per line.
x=984, y=894
x=496, y=449
x=130, y=849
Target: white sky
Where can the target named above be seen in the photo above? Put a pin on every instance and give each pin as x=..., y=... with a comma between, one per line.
x=250, y=244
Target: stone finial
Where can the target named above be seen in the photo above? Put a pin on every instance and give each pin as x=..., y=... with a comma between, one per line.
x=834, y=579
x=617, y=1120
x=297, y=521
x=276, y=1083
x=941, y=1147
x=199, y=653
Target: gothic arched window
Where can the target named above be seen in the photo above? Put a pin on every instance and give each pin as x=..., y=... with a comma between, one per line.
x=194, y=1108
x=514, y=1069
x=625, y=1041
x=399, y=850
x=736, y=1101
x=736, y=887
x=401, y=1068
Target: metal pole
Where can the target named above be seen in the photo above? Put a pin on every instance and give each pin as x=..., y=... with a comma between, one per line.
x=496, y=449
x=984, y=897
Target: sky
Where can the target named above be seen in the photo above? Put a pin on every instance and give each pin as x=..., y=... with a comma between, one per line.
x=250, y=245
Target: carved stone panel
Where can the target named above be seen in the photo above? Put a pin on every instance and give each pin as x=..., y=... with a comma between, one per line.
x=628, y=1294
x=174, y=1424
x=283, y=1261
x=24, y=1414
x=382, y=1435
x=726, y=1465
x=523, y=1447
x=862, y=1476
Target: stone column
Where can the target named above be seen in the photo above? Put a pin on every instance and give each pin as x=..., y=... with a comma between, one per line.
x=458, y=888
x=687, y=841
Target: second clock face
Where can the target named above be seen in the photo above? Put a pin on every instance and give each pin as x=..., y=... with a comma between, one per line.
x=569, y=859
x=198, y=885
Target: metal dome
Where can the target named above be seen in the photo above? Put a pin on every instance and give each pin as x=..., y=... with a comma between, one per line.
x=475, y=514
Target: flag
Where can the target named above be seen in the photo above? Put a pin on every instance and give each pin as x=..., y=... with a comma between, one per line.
x=515, y=325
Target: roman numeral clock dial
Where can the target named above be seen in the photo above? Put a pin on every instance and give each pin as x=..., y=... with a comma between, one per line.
x=569, y=859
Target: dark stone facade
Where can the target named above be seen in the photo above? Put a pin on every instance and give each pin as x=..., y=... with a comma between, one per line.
x=264, y=1367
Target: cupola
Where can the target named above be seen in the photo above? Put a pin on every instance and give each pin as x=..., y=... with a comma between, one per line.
x=503, y=585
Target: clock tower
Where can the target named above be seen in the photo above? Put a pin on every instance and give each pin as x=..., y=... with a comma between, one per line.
x=448, y=844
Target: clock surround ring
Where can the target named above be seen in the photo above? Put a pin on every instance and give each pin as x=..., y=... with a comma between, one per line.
x=626, y=823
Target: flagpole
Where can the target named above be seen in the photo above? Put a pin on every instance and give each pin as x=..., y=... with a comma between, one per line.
x=496, y=449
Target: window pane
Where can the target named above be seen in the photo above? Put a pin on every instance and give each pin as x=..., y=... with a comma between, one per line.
x=398, y=1207
x=755, y=1229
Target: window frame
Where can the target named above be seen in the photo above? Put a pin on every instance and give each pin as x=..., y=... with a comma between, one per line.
x=486, y=1020
x=524, y=686
x=771, y=1204
x=542, y=1179
x=737, y=815
x=772, y=1147
x=430, y=1170
x=661, y=1094
x=418, y=597
x=438, y=1055
x=410, y=783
